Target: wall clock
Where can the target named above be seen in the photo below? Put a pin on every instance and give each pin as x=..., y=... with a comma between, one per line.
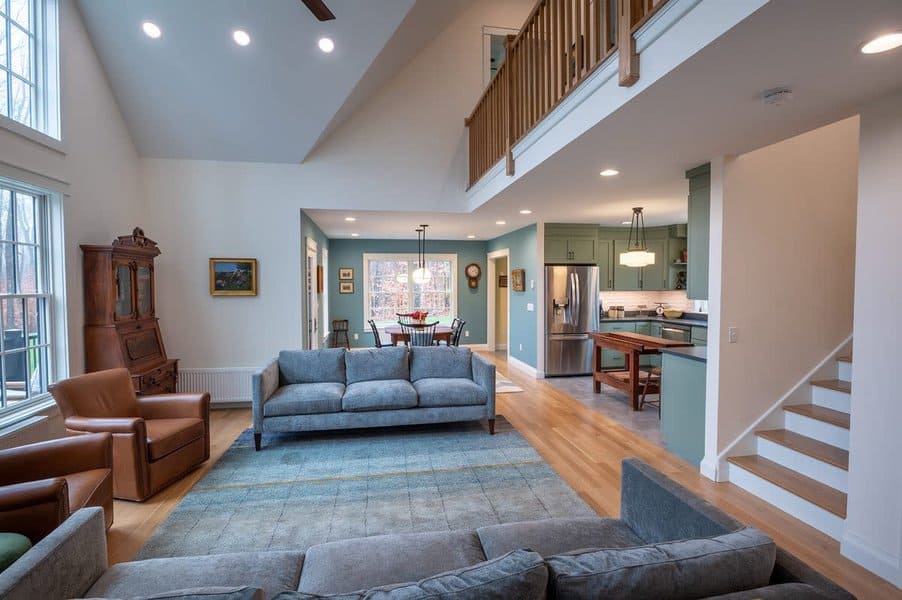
x=472, y=272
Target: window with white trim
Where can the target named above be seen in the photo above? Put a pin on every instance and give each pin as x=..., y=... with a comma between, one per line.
x=29, y=78
x=25, y=300
x=389, y=288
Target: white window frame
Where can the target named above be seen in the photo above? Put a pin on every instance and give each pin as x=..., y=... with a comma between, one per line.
x=409, y=257
x=53, y=276
x=46, y=102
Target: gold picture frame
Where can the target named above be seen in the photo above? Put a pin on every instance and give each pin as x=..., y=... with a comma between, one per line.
x=518, y=280
x=233, y=276
x=345, y=287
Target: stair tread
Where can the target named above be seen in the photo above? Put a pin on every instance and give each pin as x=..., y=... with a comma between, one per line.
x=845, y=358
x=827, y=415
x=824, y=496
x=839, y=385
x=809, y=446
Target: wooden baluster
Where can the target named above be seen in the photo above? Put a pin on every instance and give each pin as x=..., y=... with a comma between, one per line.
x=587, y=38
x=577, y=40
x=509, y=108
x=568, y=41
x=626, y=43
x=549, y=62
x=540, y=48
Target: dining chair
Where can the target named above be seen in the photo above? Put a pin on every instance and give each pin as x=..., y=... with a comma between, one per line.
x=340, y=334
x=652, y=377
x=376, y=338
x=456, y=329
x=418, y=334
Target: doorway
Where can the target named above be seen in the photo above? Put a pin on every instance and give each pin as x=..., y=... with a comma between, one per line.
x=311, y=297
x=498, y=305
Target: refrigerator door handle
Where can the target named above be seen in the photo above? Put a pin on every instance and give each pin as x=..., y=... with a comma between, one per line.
x=566, y=337
x=577, y=294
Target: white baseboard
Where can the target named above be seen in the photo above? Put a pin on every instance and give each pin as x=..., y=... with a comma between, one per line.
x=226, y=386
x=858, y=550
x=521, y=366
x=477, y=346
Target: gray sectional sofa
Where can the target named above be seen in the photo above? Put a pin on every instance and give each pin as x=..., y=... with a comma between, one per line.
x=668, y=543
x=376, y=387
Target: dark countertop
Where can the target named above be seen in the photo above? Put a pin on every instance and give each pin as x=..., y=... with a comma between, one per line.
x=699, y=353
x=700, y=321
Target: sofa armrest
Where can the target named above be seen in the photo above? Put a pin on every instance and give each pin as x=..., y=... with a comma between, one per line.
x=110, y=424
x=55, y=458
x=65, y=564
x=34, y=508
x=484, y=375
x=658, y=509
x=789, y=569
x=264, y=384
x=173, y=406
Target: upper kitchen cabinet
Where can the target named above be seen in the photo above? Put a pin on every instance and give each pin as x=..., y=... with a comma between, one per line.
x=651, y=278
x=698, y=232
x=570, y=243
x=604, y=250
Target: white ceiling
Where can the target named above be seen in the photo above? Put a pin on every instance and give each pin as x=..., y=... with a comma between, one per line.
x=709, y=106
x=195, y=94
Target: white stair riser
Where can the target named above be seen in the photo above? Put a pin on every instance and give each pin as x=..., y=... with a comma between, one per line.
x=844, y=370
x=832, y=399
x=788, y=502
x=824, y=432
x=802, y=463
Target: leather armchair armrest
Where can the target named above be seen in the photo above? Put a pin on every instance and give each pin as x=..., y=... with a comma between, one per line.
x=29, y=493
x=56, y=458
x=34, y=508
x=172, y=406
x=107, y=424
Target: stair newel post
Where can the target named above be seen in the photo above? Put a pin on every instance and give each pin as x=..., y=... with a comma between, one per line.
x=626, y=43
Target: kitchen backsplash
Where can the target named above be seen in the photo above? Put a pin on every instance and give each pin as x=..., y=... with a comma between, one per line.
x=631, y=300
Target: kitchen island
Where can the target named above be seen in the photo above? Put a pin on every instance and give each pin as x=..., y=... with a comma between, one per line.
x=683, y=372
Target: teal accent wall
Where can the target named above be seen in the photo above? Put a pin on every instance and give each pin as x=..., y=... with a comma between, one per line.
x=523, y=247
x=471, y=304
x=309, y=229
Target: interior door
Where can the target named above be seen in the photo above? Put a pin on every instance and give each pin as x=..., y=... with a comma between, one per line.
x=312, y=308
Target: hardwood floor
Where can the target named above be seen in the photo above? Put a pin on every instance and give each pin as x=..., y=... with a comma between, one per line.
x=585, y=448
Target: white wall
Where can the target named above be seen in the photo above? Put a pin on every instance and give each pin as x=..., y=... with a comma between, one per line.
x=873, y=535
x=786, y=269
x=97, y=171
x=405, y=148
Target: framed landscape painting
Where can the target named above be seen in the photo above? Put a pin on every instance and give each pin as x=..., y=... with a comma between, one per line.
x=233, y=276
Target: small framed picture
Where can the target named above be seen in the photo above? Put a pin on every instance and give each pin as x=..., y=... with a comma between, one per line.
x=346, y=274
x=345, y=287
x=319, y=279
x=233, y=276
x=502, y=281
x=518, y=280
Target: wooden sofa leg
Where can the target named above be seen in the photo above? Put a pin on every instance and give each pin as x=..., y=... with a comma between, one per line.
x=257, y=438
x=491, y=426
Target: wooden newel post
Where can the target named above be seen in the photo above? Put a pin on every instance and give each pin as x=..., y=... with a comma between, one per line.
x=509, y=112
x=626, y=43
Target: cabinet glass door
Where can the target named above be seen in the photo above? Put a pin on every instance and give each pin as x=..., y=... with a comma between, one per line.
x=144, y=290
x=124, y=299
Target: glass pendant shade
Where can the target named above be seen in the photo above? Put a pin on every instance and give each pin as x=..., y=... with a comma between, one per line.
x=422, y=275
x=637, y=258
x=637, y=254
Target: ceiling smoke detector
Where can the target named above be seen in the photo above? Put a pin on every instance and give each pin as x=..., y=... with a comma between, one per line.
x=777, y=96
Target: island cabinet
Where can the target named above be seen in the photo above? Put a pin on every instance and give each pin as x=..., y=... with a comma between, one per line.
x=611, y=359
x=683, y=402
x=698, y=234
x=121, y=326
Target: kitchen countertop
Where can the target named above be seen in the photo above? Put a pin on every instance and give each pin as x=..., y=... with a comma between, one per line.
x=687, y=322
x=699, y=353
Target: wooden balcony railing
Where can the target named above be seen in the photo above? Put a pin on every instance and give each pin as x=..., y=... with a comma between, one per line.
x=561, y=44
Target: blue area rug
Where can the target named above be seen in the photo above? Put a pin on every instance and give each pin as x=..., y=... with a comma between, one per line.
x=304, y=489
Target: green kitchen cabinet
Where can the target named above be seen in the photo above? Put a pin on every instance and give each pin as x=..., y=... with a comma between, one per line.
x=699, y=336
x=611, y=359
x=650, y=278
x=569, y=250
x=603, y=251
x=683, y=406
x=698, y=233
x=626, y=279
x=556, y=250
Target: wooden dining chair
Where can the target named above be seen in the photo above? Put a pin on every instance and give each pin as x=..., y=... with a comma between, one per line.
x=652, y=377
x=340, y=334
x=419, y=334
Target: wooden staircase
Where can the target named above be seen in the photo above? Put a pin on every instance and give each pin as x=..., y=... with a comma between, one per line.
x=803, y=467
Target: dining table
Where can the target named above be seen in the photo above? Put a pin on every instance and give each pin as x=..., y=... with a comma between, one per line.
x=631, y=380
x=442, y=333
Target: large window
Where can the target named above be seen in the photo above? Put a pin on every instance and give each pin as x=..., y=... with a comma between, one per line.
x=25, y=346
x=28, y=59
x=389, y=287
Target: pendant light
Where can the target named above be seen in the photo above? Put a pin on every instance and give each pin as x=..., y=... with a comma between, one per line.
x=637, y=254
x=422, y=274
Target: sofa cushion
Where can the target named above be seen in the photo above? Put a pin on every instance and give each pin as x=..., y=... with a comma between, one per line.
x=781, y=591
x=556, y=536
x=206, y=593
x=305, y=399
x=680, y=570
x=312, y=366
x=348, y=565
x=165, y=436
x=379, y=395
x=520, y=574
x=373, y=364
x=440, y=361
x=449, y=392
x=273, y=572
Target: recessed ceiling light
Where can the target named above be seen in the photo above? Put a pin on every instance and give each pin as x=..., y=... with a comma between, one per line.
x=626, y=222
x=525, y=211
x=355, y=235
x=883, y=43
x=241, y=37
x=471, y=237
x=500, y=222
x=350, y=219
x=609, y=172
x=151, y=30
x=326, y=45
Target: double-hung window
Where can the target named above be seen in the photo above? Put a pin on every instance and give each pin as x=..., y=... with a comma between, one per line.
x=29, y=81
x=389, y=287
x=25, y=346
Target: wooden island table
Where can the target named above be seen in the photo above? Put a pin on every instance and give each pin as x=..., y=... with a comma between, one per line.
x=633, y=346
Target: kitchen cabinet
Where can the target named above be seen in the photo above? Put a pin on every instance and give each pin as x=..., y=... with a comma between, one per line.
x=603, y=250
x=698, y=234
x=611, y=359
x=570, y=243
x=650, y=278
x=683, y=406
x=699, y=336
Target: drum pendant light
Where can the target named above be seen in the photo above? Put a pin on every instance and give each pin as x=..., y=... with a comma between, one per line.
x=421, y=275
x=637, y=254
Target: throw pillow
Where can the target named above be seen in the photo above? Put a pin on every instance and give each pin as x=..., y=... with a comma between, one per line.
x=520, y=574
x=205, y=593
x=681, y=570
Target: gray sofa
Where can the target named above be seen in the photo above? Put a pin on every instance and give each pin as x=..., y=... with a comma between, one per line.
x=715, y=557
x=376, y=387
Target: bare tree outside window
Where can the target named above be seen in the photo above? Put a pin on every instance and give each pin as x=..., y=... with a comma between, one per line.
x=390, y=290
x=18, y=72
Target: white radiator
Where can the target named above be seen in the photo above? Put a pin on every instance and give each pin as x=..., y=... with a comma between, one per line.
x=226, y=386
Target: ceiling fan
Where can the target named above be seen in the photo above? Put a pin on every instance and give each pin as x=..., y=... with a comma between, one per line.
x=319, y=9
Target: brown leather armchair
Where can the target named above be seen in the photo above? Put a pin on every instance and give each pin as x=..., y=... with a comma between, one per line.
x=156, y=439
x=42, y=484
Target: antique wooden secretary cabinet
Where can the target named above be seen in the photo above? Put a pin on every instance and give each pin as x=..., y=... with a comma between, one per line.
x=121, y=327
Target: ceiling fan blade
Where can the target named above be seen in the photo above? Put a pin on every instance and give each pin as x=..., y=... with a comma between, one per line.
x=319, y=9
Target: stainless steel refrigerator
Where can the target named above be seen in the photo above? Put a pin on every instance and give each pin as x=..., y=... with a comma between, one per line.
x=571, y=314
